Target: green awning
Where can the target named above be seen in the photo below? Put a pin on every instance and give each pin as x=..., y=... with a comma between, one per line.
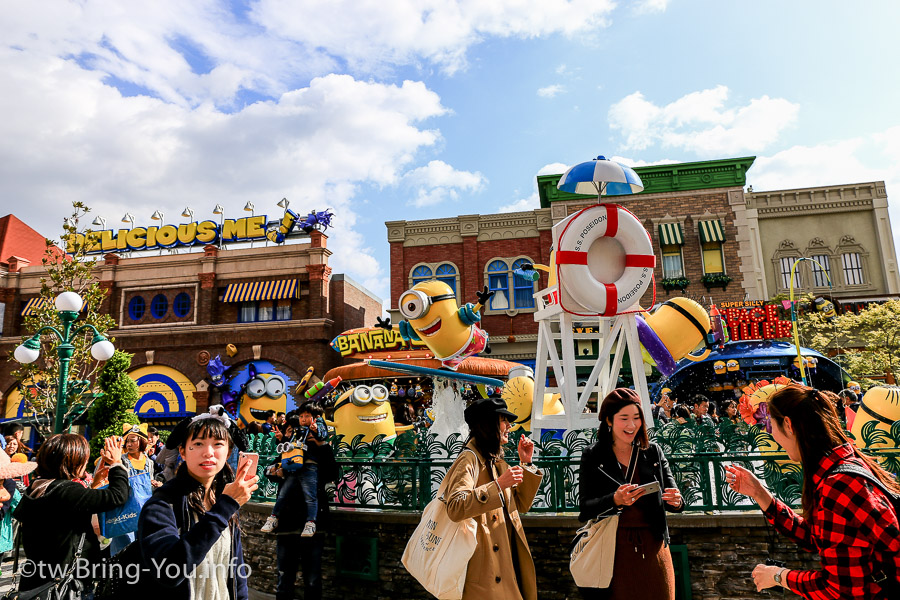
x=670, y=234
x=711, y=231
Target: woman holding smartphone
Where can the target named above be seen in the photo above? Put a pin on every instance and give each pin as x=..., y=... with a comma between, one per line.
x=614, y=475
x=189, y=533
x=847, y=518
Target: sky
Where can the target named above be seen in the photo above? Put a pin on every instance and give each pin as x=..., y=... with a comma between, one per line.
x=401, y=109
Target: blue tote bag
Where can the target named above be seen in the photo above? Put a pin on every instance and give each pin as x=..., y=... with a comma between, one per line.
x=124, y=519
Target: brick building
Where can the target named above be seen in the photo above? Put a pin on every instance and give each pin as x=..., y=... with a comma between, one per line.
x=695, y=212
x=279, y=306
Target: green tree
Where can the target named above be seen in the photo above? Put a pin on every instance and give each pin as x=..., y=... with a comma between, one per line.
x=865, y=344
x=115, y=406
x=74, y=271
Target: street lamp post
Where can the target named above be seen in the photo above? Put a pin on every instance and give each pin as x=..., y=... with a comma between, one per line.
x=68, y=305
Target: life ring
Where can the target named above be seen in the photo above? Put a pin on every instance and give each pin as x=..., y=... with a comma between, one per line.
x=602, y=297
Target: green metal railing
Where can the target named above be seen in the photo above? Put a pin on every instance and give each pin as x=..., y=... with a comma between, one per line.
x=404, y=474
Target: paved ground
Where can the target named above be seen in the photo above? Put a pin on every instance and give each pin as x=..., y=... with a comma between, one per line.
x=6, y=574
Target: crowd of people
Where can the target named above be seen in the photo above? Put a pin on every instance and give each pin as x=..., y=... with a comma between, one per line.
x=188, y=535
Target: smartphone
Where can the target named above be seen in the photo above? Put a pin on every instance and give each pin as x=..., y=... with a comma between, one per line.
x=253, y=459
x=650, y=488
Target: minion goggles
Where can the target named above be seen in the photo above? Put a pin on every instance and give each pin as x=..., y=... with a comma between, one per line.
x=363, y=394
x=284, y=447
x=414, y=304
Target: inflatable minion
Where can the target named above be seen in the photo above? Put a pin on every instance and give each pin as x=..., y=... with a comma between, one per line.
x=433, y=317
x=669, y=334
x=365, y=411
x=262, y=392
x=854, y=387
x=826, y=308
x=881, y=406
x=518, y=393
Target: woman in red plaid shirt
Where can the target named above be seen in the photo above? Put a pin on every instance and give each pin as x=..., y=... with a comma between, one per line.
x=847, y=519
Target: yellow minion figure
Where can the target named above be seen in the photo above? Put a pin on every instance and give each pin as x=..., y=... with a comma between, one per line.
x=292, y=454
x=826, y=308
x=432, y=316
x=880, y=405
x=732, y=365
x=854, y=387
x=518, y=393
x=719, y=367
x=364, y=410
x=262, y=392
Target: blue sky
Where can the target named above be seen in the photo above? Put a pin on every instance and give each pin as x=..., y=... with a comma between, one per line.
x=402, y=109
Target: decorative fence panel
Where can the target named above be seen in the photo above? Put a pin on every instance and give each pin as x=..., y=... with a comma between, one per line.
x=404, y=473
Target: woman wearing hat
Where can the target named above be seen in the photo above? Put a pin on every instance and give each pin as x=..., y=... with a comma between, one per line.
x=612, y=471
x=481, y=485
x=135, y=461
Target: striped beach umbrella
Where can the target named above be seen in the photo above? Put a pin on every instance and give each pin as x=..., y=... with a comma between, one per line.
x=602, y=177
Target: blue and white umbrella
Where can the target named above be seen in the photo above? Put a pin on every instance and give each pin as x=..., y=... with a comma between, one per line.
x=602, y=177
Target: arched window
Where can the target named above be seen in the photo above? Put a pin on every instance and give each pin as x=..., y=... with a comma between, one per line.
x=159, y=306
x=421, y=273
x=136, y=308
x=523, y=296
x=498, y=282
x=447, y=273
x=182, y=305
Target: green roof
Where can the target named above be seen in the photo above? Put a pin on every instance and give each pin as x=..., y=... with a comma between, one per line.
x=676, y=177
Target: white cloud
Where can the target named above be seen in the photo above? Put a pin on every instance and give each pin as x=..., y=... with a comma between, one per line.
x=533, y=201
x=372, y=32
x=438, y=182
x=550, y=91
x=700, y=122
x=74, y=138
x=643, y=7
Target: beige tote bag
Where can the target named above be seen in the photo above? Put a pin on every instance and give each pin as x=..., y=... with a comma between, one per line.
x=438, y=552
x=594, y=553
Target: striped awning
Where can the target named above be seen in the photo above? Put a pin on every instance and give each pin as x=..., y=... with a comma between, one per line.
x=711, y=231
x=35, y=304
x=670, y=234
x=261, y=290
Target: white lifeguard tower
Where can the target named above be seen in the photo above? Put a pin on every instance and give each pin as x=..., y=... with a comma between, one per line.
x=603, y=264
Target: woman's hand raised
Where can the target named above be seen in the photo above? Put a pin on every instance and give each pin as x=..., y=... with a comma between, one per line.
x=744, y=482
x=512, y=476
x=526, y=449
x=241, y=489
x=627, y=494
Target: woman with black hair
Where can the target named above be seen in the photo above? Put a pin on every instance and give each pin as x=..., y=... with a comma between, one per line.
x=847, y=518
x=481, y=485
x=189, y=533
x=612, y=470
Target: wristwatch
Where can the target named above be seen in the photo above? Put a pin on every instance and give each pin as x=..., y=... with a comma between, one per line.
x=777, y=577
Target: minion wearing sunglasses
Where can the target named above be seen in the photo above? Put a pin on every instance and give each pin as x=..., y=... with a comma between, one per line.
x=365, y=411
x=433, y=317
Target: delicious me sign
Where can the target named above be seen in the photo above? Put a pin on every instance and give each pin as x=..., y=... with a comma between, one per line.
x=754, y=320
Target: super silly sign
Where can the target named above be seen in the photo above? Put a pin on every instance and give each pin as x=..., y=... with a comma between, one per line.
x=370, y=340
x=753, y=320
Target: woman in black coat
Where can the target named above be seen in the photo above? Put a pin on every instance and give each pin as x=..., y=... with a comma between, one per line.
x=56, y=509
x=610, y=484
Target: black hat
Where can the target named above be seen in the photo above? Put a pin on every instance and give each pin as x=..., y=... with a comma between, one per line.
x=487, y=406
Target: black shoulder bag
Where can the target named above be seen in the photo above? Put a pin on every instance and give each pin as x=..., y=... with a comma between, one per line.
x=65, y=587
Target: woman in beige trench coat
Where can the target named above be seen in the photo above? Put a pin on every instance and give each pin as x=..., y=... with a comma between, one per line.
x=481, y=485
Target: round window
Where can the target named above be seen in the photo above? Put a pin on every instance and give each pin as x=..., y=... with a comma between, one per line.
x=136, y=308
x=182, y=305
x=159, y=306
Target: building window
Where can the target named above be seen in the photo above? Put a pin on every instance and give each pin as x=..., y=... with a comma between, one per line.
x=264, y=310
x=421, y=273
x=523, y=289
x=159, y=306
x=136, y=308
x=853, y=272
x=672, y=262
x=498, y=282
x=283, y=310
x=447, y=274
x=712, y=257
x=181, y=306
x=821, y=270
x=502, y=280
x=785, y=263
